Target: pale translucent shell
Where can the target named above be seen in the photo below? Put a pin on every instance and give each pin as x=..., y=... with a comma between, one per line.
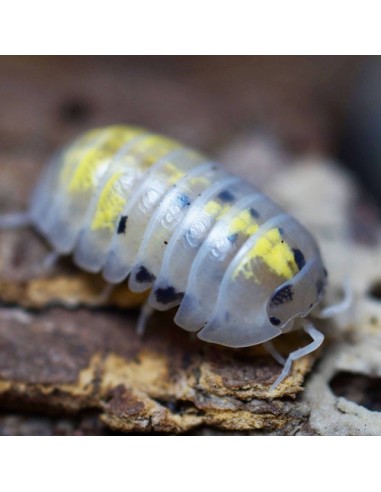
x=133, y=204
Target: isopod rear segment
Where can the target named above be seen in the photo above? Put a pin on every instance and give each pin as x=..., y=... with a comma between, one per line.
x=139, y=206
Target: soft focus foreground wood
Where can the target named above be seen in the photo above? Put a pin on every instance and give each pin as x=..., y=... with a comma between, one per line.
x=166, y=381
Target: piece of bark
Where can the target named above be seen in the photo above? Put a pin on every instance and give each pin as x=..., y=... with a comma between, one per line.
x=165, y=381
x=67, y=290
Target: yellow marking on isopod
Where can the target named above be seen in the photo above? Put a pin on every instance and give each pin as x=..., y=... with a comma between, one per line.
x=200, y=181
x=110, y=204
x=174, y=173
x=112, y=199
x=149, y=150
x=93, y=163
x=215, y=209
x=274, y=252
x=243, y=223
x=74, y=153
x=188, y=159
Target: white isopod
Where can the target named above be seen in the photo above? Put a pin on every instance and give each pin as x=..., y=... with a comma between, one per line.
x=130, y=203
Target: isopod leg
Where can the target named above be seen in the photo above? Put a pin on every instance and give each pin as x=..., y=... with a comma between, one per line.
x=317, y=340
x=146, y=312
x=47, y=264
x=18, y=220
x=105, y=293
x=341, y=306
x=269, y=346
x=14, y=220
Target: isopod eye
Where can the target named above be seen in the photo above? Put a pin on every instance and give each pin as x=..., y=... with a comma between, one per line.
x=297, y=296
x=282, y=296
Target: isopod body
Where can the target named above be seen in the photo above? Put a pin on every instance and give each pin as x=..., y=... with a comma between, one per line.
x=132, y=204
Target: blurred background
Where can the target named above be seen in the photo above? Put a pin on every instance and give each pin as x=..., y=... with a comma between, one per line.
x=325, y=105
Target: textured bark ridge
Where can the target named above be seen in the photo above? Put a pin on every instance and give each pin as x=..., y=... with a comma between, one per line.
x=68, y=362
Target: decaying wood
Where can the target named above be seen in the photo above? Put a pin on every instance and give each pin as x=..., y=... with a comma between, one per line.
x=167, y=381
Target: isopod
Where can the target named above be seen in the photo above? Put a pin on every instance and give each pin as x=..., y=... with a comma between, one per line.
x=133, y=204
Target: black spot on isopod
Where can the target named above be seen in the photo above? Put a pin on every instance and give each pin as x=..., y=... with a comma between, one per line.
x=375, y=291
x=320, y=286
x=183, y=200
x=122, y=224
x=167, y=295
x=282, y=295
x=165, y=242
x=254, y=213
x=233, y=237
x=299, y=258
x=226, y=196
x=143, y=275
x=274, y=321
